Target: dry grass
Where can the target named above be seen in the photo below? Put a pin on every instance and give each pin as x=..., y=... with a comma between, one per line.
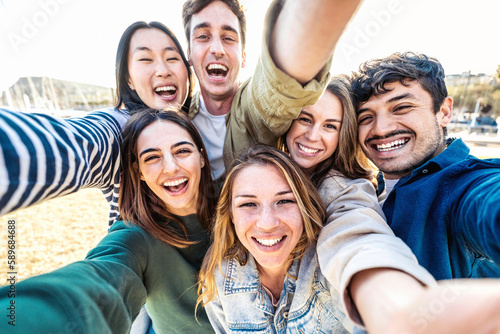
x=56, y=232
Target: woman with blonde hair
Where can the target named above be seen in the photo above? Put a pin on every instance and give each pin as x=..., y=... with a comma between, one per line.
x=262, y=272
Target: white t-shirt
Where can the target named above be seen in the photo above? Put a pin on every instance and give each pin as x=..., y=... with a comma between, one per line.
x=389, y=185
x=213, y=132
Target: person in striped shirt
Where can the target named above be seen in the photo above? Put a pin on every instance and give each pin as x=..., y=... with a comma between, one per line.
x=43, y=157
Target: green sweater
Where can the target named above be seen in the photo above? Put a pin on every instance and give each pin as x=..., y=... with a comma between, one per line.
x=106, y=291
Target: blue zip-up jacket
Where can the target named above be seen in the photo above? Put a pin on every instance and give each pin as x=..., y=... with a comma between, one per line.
x=448, y=212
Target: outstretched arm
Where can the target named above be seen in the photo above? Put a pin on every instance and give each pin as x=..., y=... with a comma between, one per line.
x=305, y=34
x=43, y=157
x=392, y=302
x=356, y=239
x=98, y=295
x=292, y=72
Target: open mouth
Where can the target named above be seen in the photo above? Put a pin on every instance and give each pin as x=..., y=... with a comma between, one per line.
x=269, y=242
x=217, y=71
x=307, y=149
x=176, y=186
x=166, y=91
x=394, y=145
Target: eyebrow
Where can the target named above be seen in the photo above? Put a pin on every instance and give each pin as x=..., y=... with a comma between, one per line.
x=208, y=25
x=145, y=48
x=148, y=150
x=253, y=196
x=391, y=100
x=328, y=120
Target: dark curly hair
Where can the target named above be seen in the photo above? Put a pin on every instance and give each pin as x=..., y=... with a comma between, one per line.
x=405, y=67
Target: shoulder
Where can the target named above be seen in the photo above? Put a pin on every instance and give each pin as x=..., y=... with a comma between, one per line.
x=336, y=181
x=129, y=232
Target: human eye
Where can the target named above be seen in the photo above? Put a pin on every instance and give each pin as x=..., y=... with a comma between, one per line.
x=286, y=201
x=142, y=56
x=331, y=126
x=247, y=205
x=201, y=37
x=364, y=119
x=172, y=56
x=402, y=108
x=304, y=119
x=151, y=158
x=184, y=151
x=172, y=59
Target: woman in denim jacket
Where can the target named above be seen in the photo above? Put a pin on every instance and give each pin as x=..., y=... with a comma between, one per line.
x=262, y=274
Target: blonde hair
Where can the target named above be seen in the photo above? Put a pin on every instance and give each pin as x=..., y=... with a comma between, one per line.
x=225, y=241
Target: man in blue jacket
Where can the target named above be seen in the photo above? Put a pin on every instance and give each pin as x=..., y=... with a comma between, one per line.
x=443, y=202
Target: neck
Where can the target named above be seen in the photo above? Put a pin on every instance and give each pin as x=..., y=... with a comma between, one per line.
x=273, y=278
x=273, y=283
x=309, y=171
x=218, y=106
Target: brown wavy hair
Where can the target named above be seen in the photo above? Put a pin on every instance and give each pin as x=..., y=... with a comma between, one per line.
x=225, y=243
x=138, y=204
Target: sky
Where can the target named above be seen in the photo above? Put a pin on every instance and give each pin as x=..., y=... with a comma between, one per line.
x=76, y=40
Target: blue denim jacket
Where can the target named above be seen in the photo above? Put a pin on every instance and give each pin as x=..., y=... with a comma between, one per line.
x=448, y=212
x=308, y=304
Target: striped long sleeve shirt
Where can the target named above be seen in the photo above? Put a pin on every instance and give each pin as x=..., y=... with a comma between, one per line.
x=43, y=157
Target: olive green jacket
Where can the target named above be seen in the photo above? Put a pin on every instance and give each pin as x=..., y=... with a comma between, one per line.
x=105, y=292
x=266, y=104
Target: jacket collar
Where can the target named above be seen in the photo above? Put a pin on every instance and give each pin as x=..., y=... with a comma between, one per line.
x=246, y=279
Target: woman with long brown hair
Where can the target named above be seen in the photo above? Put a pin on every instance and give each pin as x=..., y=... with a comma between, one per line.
x=150, y=257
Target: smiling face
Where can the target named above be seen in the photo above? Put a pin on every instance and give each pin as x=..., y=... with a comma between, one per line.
x=267, y=219
x=215, y=50
x=170, y=164
x=399, y=130
x=157, y=72
x=314, y=135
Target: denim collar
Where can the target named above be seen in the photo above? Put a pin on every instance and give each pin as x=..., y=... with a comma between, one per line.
x=245, y=279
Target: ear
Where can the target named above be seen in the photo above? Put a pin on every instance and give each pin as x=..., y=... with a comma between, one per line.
x=445, y=112
x=243, y=59
x=202, y=160
x=131, y=85
x=138, y=171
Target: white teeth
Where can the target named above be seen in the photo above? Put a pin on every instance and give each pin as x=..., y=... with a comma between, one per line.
x=307, y=150
x=269, y=242
x=391, y=146
x=217, y=67
x=165, y=89
x=175, y=183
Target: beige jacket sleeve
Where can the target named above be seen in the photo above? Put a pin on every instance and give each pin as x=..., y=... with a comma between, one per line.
x=267, y=103
x=356, y=237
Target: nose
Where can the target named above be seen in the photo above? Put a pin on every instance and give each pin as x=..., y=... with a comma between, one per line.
x=170, y=166
x=267, y=219
x=216, y=47
x=313, y=133
x=162, y=69
x=383, y=124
